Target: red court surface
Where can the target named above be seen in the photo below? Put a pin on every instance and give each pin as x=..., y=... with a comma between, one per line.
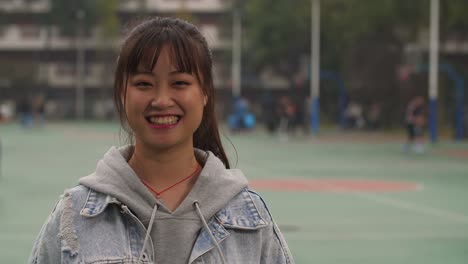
x=455, y=153
x=329, y=185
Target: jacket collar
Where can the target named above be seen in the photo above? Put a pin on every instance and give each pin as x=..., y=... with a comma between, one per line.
x=96, y=203
x=240, y=213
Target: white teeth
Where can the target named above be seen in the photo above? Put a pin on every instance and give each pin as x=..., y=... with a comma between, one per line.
x=164, y=120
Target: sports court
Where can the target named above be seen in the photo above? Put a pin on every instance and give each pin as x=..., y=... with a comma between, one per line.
x=338, y=198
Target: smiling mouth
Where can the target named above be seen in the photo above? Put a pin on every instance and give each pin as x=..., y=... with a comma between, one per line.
x=163, y=120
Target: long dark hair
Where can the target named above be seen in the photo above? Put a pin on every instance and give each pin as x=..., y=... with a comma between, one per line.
x=190, y=53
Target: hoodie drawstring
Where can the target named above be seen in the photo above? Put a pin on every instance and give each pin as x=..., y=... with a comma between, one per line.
x=213, y=239
x=148, y=232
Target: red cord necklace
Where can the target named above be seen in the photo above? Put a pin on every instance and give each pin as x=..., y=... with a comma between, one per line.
x=158, y=194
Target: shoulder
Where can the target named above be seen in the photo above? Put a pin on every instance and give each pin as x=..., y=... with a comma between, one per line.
x=86, y=202
x=260, y=204
x=249, y=211
x=70, y=196
x=78, y=192
x=246, y=210
x=73, y=197
x=58, y=228
x=283, y=253
x=67, y=205
x=81, y=201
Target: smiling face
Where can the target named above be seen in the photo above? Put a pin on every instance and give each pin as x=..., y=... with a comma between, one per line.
x=170, y=119
x=164, y=105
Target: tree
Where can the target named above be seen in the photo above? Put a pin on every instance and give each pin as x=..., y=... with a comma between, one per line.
x=366, y=39
x=65, y=14
x=107, y=20
x=109, y=26
x=277, y=34
x=361, y=39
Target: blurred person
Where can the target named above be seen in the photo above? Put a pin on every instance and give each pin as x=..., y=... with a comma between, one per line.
x=170, y=196
x=270, y=117
x=38, y=110
x=415, y=120
x=300, y=103
x=287, y=115
x=373, y=116
x=354, y=115
x=7, y=110
x=242, y=118
x=24, y=109
x=4, y=113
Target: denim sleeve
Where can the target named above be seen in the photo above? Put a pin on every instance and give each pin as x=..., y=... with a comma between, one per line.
x=47, y=246
x=274, y=248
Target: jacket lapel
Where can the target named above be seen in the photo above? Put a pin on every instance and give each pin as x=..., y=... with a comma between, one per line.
x=203, y=243
x=239, y=213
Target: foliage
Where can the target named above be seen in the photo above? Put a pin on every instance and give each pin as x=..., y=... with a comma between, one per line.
x=108, y=19
x=278, y=32
x=65, y=14
x=348, y=20
x=453, y=15
x=361, y=40
x=103, y=13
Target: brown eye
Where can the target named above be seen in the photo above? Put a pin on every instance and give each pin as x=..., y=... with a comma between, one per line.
x=181, y=83
x=142, y=84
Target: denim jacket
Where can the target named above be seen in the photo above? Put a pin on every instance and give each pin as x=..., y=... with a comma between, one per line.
x=91, y=227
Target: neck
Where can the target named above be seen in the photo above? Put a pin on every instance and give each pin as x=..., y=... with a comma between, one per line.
x=162, y=167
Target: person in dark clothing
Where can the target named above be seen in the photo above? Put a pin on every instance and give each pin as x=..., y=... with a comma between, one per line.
x=415, y=118
x=270, y=116
x=24, y=109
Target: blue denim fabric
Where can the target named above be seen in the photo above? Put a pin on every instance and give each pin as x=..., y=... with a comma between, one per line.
x=90, y=227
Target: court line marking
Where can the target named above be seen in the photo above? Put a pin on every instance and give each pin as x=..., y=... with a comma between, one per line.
x=397, y=203
x=373, y=236
x=428, y=210
x=460, y=218
x=334, y=185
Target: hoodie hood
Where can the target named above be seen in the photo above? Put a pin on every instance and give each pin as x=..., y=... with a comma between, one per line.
x=173, y=233
x=114, y=177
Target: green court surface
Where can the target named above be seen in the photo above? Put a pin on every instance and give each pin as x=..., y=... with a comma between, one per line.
x=338, y=198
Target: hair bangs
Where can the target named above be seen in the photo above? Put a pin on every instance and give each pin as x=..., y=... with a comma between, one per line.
x=145, y=53
x=185, y=55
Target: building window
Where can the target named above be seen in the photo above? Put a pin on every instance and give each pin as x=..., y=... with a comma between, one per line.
x=30, y=31
x=65, y=70
x=69, y=70
x=2, y=31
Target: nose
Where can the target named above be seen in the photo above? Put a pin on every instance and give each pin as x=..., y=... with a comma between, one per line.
x=162, y=99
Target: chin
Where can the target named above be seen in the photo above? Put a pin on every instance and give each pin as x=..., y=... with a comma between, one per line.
x=164, y=145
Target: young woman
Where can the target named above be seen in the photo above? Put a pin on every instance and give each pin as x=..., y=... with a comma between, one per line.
x=169, y=197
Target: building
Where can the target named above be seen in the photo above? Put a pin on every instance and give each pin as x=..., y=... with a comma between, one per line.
x=75, y=71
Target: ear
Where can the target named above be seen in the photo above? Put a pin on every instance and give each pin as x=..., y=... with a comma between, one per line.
x=205, y=100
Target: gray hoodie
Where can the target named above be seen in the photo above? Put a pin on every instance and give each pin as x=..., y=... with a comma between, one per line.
x=173, y=233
